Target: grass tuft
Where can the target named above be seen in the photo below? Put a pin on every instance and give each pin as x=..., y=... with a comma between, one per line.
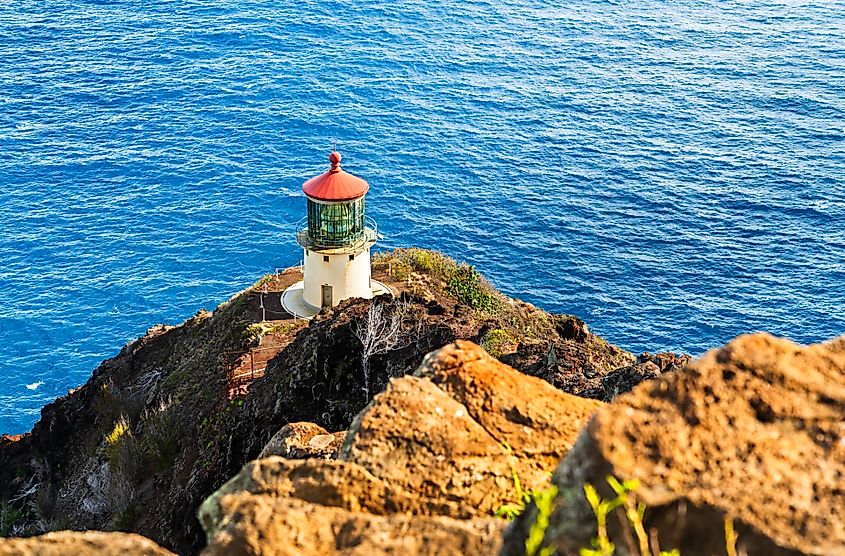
x=457, y=279
x=498, y=342
x=121, y=427
x=634, y=512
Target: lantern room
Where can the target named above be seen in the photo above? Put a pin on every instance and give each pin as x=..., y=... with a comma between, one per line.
x=335, y=209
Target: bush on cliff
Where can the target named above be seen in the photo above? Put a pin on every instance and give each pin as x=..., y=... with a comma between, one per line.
x=9, y=518
x=162, y=435
x=456, y=279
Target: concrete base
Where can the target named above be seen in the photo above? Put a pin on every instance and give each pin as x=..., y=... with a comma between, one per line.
x=294, y=303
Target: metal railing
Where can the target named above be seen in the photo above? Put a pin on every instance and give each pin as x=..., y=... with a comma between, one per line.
x=368, y=235
x=298, y=266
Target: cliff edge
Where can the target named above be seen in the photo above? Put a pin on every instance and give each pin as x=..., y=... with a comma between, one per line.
x=162, y=425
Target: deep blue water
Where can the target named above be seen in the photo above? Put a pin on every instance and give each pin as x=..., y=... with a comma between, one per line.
x=672, y=172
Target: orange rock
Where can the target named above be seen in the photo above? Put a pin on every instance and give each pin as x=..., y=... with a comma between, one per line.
x=304, y=440
x=272, y=526
x=455, y=431
x=422, y=468
x=82, y=543
x=754, y=431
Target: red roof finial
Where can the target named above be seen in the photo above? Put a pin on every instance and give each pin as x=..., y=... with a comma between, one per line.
x=335, y=185
x=335, y=158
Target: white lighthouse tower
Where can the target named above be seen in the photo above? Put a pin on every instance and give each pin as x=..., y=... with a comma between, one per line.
x=336, y=238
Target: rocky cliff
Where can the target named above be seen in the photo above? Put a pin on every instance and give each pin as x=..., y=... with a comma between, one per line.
x=739, y=453
x=378, y=428
x=176, y=414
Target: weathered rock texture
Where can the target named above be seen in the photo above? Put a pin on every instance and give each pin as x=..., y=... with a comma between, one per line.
x=621, y=380
x=754, y=431
x=268, y=525
x=304, y=440
x=575, y=360
x=432, y=449
x=455, y=431
x=85, y=543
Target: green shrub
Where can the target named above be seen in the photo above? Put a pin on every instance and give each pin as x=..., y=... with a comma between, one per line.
x=125, y=461
x=254, y=331
x=9, y=517
x=470, y=288
x=162, y=436
x=459, y=280
x=113, y=439
x=541, y=499
x=430, y=262
x=601, y=545
x=497, y=341
x=263, y=280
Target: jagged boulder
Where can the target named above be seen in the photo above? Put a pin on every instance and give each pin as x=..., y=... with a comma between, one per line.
x=272, y=526
x=421, y=471
x=586, y=365
x=754, y=432
x=329, y=483
x=332, y=507
x=84, y=543
x=456, y=431
x=618, y=381
x=304, y=440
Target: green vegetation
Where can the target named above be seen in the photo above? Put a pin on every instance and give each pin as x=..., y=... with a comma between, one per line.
x=430, y=262
x=457, y=279
x=544, y=502
x=730, y=537
x=497, y=342
x=471, y=288
x=113, y=439
x=431, y=275
x=125, y=461
x=541, y=499
x=267, y=278
x=634, y=512
x=162, y=436
x=9, y=517
x=639, y=542
x=402, y=262
x=254, y=331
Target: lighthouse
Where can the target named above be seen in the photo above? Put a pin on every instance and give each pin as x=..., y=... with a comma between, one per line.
x=336, y=237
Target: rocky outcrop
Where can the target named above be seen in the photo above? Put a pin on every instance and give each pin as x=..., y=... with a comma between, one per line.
x=578, y=362
x=752, y=432
x=267, y=525
x=85, y=543
x=572, y=359
x=421, y=471
x=456, y=431
x=302, y=441
x=621, y=380
x=330, y=507
x=158, y=428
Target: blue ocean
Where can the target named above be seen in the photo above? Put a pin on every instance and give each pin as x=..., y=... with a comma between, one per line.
x=671, y=172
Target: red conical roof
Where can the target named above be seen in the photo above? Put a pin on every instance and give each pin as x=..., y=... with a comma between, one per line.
x=335, y=185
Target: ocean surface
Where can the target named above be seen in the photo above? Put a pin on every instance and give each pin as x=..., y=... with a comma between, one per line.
x=671, y=172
